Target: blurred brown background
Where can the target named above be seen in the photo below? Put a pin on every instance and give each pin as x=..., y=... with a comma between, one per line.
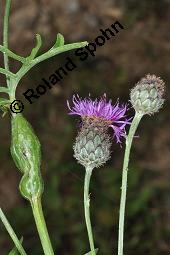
x=142, y=47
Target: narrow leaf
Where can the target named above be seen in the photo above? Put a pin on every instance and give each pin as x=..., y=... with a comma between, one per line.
x=12, y=233
x=59, y=41
x=55, y=51
x=90, y=253
x=36, y=49
x=50, y=53
x=14, y=251
x=7, y=73
x=11, y=54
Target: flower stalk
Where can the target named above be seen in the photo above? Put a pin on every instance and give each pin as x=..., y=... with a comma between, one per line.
x=41, y=226
x=129, y=140
x=146, y=98
x=5, y=37
x=87, y=208
x=12, y=233
x=92, y=148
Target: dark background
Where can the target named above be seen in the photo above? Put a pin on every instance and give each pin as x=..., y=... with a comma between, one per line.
x=142, y=47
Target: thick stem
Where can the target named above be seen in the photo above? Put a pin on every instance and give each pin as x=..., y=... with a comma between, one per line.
x=5, y=37
x=129, y=140
x=87, y=208
x=41, y=226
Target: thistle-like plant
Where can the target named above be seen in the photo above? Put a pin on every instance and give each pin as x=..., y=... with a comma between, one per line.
x=25, y=146
x=92, y=147
x=93, y=143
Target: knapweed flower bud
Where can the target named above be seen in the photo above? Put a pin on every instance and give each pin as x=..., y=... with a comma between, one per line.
x=25, y=151
x=93, y=143
x=92, y=146
x=147, y=96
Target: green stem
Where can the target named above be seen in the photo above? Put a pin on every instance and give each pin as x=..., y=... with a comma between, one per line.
x=41, y=226
x=12, y=233
x=11, y=54
x=55, y=51
x=5, y=36
x=7, y=73
x=87, y=208
x=129, y=140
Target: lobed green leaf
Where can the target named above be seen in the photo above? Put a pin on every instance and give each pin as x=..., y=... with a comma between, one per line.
x=59, y=41
x=36, y=49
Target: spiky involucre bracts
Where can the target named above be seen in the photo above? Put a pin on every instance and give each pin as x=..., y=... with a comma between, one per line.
x=92, y=146
x=147, y=96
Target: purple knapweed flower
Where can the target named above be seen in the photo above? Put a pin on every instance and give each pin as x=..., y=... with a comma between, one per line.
x=92, y=146
x=113, y=116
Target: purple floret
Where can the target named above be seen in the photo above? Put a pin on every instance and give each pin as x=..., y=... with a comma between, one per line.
x=101, y=108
